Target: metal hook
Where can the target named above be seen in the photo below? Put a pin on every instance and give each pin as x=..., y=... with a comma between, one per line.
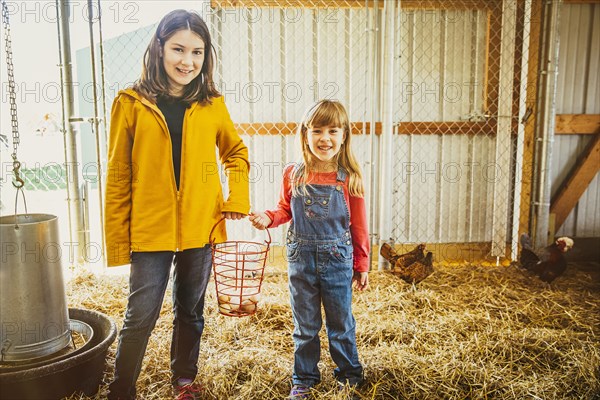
x=18, y=182
x=20, y=189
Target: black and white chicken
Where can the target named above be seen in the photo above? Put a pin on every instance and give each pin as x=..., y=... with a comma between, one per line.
x=547, y=263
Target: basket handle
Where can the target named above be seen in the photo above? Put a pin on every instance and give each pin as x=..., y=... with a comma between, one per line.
x=212, y=240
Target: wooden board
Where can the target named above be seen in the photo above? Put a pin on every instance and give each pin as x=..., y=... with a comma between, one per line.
x=358, y=128
x=577, y=182
x=290, y=128
x=565, y=124
x=404, y=4
x=581, y=1
x=451, y=253
x=448, y=128
x=525, y=223
x=579, y=124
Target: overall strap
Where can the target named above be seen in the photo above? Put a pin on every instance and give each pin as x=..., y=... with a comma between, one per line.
x=341, y=175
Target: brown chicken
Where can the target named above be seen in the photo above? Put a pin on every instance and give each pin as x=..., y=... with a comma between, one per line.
x=402, y=260
x=388, y=252
x=416, y=271
x=547, y=263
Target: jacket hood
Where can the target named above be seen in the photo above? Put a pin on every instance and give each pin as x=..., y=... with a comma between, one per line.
x=135, y=95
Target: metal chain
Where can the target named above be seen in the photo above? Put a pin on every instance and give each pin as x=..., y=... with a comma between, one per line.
x=18, y=182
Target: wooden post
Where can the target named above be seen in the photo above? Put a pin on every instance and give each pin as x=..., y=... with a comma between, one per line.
x=531, y=101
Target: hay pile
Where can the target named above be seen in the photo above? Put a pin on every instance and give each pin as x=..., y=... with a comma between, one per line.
x=465, y=332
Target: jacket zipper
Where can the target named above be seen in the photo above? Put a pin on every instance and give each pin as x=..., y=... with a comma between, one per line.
x=181, y=169
x=177, y=223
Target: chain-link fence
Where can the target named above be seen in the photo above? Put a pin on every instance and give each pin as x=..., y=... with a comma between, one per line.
x=458, y=74
x=458, y=71
x=275, y=60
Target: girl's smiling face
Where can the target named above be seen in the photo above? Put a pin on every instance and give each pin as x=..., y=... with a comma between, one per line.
x=183, y=56
x=324, y=143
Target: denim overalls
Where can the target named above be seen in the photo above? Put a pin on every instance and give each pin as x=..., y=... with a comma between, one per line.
x=319, y=251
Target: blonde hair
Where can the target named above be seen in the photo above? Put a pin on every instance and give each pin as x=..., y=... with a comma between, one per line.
x=328, y=113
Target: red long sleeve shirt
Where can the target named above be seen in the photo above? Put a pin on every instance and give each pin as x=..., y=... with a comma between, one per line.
x=359, y=227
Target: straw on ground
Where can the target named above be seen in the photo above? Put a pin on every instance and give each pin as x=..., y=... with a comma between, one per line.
x=465, y=332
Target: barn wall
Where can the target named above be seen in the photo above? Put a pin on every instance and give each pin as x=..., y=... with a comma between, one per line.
x=443, y=185
x=273, y=63
x=578, y=92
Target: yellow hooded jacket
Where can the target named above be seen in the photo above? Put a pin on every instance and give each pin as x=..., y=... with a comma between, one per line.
x=144, y=211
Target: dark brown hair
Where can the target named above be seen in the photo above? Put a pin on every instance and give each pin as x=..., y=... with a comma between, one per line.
x=154, y=83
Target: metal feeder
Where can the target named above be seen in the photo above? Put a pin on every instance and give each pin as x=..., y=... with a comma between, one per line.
x=33, y=312
x=69, y=371
x=39, y=356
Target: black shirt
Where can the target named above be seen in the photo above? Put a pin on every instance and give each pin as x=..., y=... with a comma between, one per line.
x=174, y=112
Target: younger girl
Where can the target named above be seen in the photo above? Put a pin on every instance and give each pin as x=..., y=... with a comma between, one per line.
x=164, y=194
x=327, y=244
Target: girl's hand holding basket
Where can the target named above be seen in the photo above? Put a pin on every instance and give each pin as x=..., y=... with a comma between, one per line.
x=260, y=220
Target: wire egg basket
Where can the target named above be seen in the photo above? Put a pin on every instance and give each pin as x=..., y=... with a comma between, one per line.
x=238, y=270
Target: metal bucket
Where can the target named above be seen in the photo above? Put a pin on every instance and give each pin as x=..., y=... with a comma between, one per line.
x=33, y=307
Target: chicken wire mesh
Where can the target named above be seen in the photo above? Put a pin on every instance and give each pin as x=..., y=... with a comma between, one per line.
x=458, y=77
x=458, y=71
x=275, y=60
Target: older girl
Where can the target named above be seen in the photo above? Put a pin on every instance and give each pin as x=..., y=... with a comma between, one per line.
x=164, y=194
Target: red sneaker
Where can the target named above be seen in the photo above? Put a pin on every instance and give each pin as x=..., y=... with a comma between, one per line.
x=188, y=391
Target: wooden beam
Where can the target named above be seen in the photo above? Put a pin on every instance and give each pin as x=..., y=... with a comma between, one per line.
x=578, y=124
x=404, y=128
x=583, y=124
x=290, y=128
x=581, y=1
x=565, y=124
x=267, y=128
x=525, y=223
x=447, y=254
x=448, y=128
x=288, y=3
x=404, y=4
x=447, y=4
x=577, y=182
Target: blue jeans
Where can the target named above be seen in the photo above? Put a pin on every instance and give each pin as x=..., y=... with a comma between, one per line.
x=322, y=273
x=147, y=284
